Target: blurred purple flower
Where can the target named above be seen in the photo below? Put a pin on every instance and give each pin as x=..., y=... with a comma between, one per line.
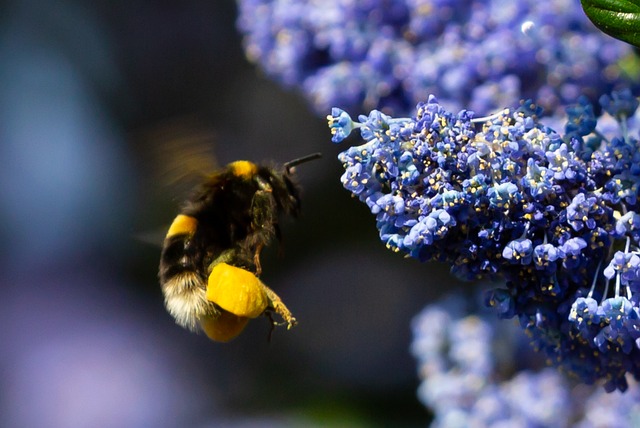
x=389, y=55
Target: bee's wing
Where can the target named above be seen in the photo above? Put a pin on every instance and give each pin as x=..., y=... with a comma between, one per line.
x=180, y=153
x=174, y=157
x=152, y=237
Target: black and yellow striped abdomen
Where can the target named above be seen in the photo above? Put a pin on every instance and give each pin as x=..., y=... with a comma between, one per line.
x=183, y=275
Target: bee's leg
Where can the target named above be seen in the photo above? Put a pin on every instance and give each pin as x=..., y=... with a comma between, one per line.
x=224, y=257
x=280, y=308
x=263, y=223
x=256, y=258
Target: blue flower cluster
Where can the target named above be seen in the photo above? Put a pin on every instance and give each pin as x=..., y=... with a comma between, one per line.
x=556, y=216
x=391, y=54
x=472, y=374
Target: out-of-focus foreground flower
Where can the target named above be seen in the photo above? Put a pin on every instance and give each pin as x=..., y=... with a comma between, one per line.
x=555, y=215
x=391, y=54
x=472, y=376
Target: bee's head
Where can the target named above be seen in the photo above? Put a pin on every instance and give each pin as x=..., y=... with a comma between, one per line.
x=285, y=190
x=280, y=183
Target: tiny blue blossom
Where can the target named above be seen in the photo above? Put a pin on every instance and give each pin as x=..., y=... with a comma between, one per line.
x=545, y=255
x=585, y=314
x=581, y=212
x=581, y=120
x=519, y=251
x=341, y=125
x=621, y=104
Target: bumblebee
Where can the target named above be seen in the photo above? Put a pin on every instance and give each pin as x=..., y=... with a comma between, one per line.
x=210, y=262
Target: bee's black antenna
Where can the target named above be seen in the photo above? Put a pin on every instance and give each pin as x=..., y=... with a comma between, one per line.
x=288, y=167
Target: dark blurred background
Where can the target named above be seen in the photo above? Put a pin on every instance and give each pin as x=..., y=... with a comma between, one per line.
x=87, y=89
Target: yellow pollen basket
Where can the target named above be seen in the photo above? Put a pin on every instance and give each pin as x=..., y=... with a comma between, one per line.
x=237, y=291
x=224, y=327
x=182, y=224
x=244, y=169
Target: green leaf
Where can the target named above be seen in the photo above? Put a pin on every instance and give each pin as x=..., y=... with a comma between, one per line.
x=617, y=18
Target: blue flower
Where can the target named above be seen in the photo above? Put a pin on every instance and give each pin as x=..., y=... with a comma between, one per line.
x=502, y=301
x=585, y=314
x=505, y=196
x=340, y=123
x=545, y=256
x=621, y=104
x=580, y=119
x=538, y=180
x=519, y=251
x=628, y=224
x=583, y=211
x=624, y=264
x=621, y=331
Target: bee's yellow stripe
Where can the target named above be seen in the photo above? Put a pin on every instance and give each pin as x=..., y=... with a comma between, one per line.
x=182, y=224
x=244, y=169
